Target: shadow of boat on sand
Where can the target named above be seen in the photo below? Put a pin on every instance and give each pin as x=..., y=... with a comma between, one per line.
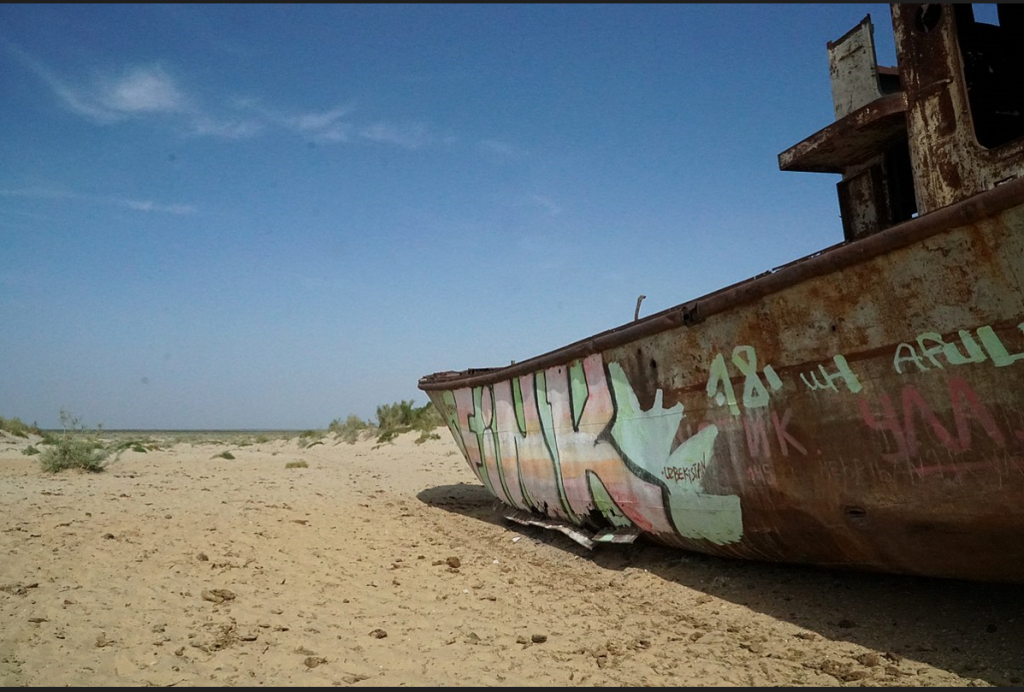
x=973, y=629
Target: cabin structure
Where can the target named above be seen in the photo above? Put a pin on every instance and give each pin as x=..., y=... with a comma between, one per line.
x=942, y=126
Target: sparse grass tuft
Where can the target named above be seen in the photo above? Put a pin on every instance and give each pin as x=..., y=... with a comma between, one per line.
x=427, y=435
x=30, y=450
x=144, y=446
x=16, y=427
x=224, y=455
x=77, y=448
x=296, y=465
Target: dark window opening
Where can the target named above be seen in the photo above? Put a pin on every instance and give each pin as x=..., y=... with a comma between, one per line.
x=900, y=182
x=993, y=59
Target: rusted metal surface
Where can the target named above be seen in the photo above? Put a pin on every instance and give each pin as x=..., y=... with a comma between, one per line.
x=859, y=408
x=829, y=262
x=856, y=77
x=843, y=143
x=950, y=163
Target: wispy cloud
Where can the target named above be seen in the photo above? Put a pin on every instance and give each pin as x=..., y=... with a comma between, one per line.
x=142, y=90
x=410, y=136
x=127, y=203
x=148, y=91
x=326, y=127
x=110, y=98
x=136, y=92
x=318, y=126
x=228, y=129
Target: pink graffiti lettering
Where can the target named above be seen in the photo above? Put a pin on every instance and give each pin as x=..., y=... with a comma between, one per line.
x=888, y=423
x=757, y=436
x=960, y=393
x=968, y=411
x=914, y=402
x=784, y=435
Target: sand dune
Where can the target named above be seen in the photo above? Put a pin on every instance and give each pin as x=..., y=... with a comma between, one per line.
x=390, y=565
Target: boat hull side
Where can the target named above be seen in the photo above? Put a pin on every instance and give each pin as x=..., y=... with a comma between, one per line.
x=869, y=418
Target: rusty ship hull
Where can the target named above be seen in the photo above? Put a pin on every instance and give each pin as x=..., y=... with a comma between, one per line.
x=861, y=408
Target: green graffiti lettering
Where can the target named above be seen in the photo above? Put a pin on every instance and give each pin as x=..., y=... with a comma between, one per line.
x=755, y=394
x=517, y=401
x=476, y=426
x=720, y=386
x=605, y=503
x=547, y=425
x=645, y=438
x=905, y=353
x=843, y=372
x=1000, y=356
x=578, y=390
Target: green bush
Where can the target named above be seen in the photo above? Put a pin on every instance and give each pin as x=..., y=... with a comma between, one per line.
x=224, y=455
x=308, y=438
x=17, y=428
x=405, y=416
x=136, y=445
x=427, y=435
x=350, y=429
x=392, y=420
x=76, y=448
x=30, y=450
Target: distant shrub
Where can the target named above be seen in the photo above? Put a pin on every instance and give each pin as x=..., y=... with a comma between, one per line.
x=405, y=416
x=260, y=439
x=16, y=427
x=392, y=421
x=76, y=448
x=350, y=429
x=296, y=465
x=143, y=446
x=427, y=435
x=224, y=455
x=308, y=438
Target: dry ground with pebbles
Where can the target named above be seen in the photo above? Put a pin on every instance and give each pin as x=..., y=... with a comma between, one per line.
x=390, y=565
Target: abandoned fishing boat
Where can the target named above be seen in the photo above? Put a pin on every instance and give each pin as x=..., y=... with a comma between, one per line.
x=860, y=408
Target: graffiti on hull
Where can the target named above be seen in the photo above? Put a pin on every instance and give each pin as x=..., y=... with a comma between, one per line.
x=573, y=443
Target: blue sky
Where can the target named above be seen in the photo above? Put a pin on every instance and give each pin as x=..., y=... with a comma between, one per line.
x=272, y=216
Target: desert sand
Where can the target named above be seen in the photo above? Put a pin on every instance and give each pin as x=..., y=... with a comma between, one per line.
x=390, y=565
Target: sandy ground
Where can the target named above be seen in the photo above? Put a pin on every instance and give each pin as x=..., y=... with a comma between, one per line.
x=390, y=565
